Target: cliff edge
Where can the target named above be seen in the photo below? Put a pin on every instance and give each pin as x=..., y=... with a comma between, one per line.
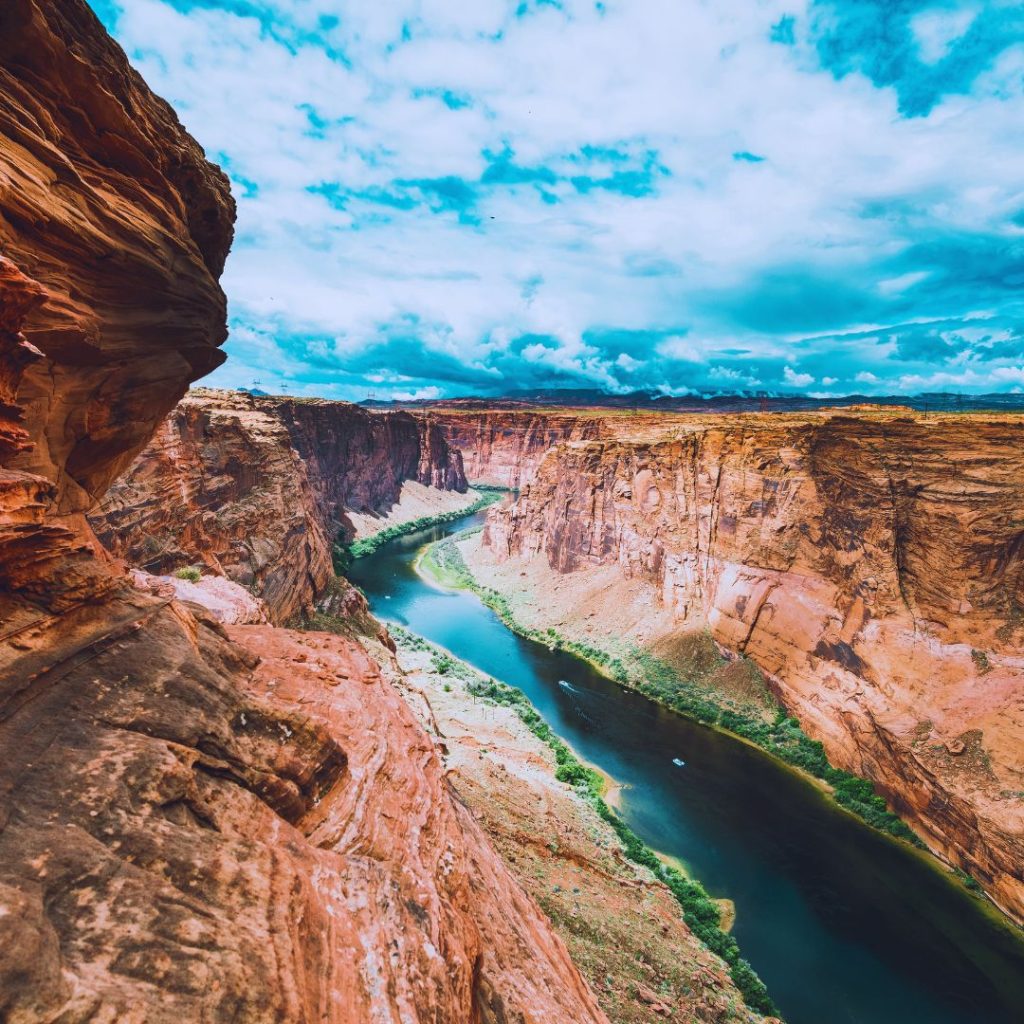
x=259, y=489
x=196, y=823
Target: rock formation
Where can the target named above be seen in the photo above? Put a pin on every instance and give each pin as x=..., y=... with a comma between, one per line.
x=256, y=489
x=872, y=566
x=107, y=209
x=502, y=448
x=196, y=823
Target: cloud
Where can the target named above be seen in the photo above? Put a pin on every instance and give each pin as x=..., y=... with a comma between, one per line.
x=925, y=52
x=794, y=379
x=672, y=196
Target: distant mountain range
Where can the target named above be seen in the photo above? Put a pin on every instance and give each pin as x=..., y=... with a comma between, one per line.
x=742, y=402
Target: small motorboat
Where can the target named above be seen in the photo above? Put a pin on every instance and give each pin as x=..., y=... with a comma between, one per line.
x=565, y=684
x=678, y=762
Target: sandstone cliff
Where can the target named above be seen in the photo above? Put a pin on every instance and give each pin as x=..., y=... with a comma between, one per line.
x=502, y=448
x=873, y=567
x=107, y=208
x=251, y=826
x=257, y=489
x=195, y=824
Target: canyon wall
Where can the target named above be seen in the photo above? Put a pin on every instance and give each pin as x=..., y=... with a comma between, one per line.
x=872, y=566
x=502, y=448
x=107, y=207
x=195, y=823
x=256, y=489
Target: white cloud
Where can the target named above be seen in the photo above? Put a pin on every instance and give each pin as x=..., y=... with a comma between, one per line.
x=797, y=380
x=895, y=285
x=1008, y=373
x=937, y=29
x=424, y=89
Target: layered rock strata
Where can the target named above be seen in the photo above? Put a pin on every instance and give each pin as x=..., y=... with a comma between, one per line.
x=114, y=229
x=195, y=823
x=502, y=448
x=872, y=566
x=258, y=489
x=249, y=825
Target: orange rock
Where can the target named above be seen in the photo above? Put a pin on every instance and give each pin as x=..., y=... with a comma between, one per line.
x=194, y=824
x=502, y=448
x=862, y=562
x=256, y=489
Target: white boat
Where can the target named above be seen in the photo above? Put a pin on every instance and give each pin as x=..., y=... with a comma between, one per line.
x=678, y=762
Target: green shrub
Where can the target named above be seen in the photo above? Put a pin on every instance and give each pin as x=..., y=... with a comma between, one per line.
x=192, y=573
x=971, y=884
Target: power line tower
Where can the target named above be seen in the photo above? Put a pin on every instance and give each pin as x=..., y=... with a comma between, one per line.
x=762, y=401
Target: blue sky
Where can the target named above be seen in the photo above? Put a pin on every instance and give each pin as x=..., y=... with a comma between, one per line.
x=442, y=197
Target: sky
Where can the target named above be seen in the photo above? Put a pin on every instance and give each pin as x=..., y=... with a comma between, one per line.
x=452, y=197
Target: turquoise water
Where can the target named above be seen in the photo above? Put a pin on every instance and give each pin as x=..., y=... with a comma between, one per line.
x=844, y=925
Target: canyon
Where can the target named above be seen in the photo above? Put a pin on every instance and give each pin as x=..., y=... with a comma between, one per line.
x=259, y=490
x=870, y=564
x=197, y=821
x=213, y=809
x=622, y=925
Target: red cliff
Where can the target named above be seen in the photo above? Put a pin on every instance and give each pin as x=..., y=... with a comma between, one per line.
x=872, y=566
x=195, y=824
x=257, y=489
x=107, y=208
x=502, y=448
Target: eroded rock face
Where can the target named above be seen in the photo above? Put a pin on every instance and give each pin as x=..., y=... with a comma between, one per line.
x=111, y=208
x=114, y=231
x=195, y=824
x=872, y=566
x=503, y=448
x=256, y=489
x=250, y=825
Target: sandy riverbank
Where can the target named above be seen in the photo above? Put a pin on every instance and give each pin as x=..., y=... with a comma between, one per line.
x=416, y=501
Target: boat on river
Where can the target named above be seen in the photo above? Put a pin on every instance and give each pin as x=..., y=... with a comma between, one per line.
x=678, y=762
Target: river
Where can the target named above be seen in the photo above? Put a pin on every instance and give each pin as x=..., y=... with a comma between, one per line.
x=844, y=925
